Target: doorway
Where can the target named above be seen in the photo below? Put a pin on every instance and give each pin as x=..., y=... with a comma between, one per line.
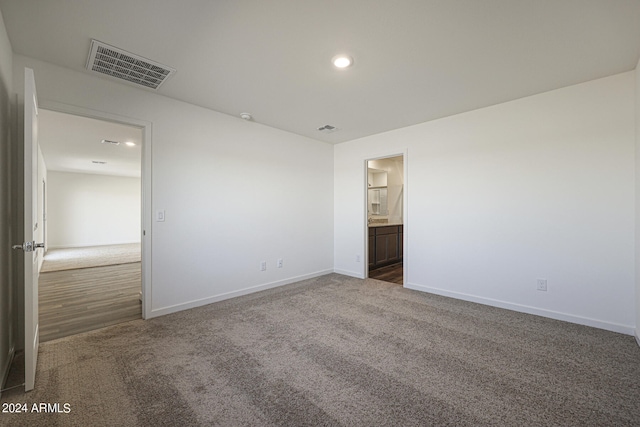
x=385, y=218
x=91, y=275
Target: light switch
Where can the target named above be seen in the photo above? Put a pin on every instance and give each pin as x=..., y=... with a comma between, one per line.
x=160, y=216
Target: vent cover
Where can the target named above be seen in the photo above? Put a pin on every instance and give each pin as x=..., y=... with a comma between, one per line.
x=107, y=141
x=114, y=62
x=327, y=129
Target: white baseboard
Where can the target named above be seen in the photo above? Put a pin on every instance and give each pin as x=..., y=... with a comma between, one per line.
x=614, y=327
x=204, y=301
x=88, y=245
x=4, y=374
x=348, y=273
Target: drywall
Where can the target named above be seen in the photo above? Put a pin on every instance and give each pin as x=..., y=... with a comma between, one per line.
x=92, y=210
x=7, y=339
x=234, y=192
x=541, y=187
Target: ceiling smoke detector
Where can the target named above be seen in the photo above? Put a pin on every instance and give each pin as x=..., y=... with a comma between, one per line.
x=118, y=63
x=245, y=116
x=327, y=129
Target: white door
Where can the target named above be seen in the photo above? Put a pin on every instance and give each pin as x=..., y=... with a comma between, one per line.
x=30, y=247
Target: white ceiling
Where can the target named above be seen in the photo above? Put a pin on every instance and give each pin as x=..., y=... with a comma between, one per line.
x=415, y=60
x=71, y=143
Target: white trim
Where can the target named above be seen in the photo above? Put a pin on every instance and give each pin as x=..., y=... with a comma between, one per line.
x=146, y=211
x=91, y=246
x=356, y=274
x=637, y=337
x=209, y=300
x=595, y=323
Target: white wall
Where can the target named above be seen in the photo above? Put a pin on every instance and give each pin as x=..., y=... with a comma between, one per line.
x=92, y=210
x=7, y=315
x=541, y=187
x=235, y=193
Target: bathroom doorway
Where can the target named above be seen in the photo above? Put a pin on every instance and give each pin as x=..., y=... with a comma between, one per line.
x=385, y=218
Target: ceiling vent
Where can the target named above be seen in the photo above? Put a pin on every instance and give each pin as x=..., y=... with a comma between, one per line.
x=114, y=62
x=327, y=129
x=106, y=141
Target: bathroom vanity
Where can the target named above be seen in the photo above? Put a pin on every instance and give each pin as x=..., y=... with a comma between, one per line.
x=385, y=244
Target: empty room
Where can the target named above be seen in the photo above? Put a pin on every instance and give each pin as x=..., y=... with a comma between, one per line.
x=481, y=156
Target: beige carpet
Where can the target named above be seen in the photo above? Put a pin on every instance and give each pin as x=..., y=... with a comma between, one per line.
x=92, y=256
x=338, y=351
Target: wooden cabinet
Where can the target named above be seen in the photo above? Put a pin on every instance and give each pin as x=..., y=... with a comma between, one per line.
x=385, y=245
x=372, y=248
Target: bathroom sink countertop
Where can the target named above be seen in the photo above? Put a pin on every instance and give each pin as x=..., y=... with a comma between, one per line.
x=383, y=224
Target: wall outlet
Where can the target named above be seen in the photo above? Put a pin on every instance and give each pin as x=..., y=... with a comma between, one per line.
x=263, y=265
x=542, y=285
x=280, y=262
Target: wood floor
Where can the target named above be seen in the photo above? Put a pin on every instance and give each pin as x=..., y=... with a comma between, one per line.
x=391, y=273
x=74, y=301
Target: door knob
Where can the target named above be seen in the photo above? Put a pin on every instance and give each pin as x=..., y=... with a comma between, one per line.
x=28, y=246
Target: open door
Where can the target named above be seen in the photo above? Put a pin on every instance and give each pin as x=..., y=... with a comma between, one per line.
x=30, y=247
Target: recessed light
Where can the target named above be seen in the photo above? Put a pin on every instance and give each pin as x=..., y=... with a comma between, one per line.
x=342, y=61
x=130, y=144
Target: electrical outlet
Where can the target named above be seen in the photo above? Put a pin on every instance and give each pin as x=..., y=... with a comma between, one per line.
x=263, y=265
x=542, y=285
x=280, y=262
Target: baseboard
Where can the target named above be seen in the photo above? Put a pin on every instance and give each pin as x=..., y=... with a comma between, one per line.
x=614, y=327
x=6, y=367
x=204, y=301
x=637, y=337
x=348, y=273
x=89, y=245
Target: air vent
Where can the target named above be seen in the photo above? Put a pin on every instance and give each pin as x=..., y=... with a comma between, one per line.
x=327, y=129
x=118, y=63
